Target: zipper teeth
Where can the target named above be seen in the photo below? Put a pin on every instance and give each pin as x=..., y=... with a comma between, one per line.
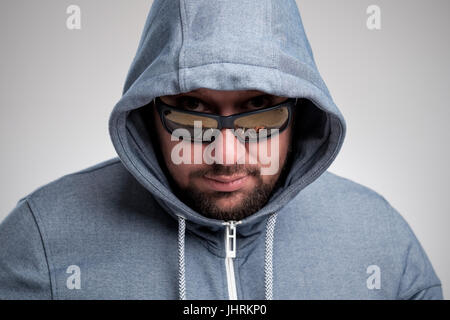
x=230, y=279
x=230, y=254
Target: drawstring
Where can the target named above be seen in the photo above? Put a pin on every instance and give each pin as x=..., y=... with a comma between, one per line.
x=181, y=267
x=268, y=254
x=268, y=261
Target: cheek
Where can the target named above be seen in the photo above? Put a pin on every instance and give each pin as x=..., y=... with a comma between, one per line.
x=277, y=151
x=285, y=141
x=179, y=172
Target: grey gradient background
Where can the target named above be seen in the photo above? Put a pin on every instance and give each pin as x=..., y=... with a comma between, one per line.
x=58, y=87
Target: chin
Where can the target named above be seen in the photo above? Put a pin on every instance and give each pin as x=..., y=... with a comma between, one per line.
x=229, y=203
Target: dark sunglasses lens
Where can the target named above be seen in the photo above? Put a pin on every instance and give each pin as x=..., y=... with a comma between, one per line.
x=180, y=120
x=259, y=125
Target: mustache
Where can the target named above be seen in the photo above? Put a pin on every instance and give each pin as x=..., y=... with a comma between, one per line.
x=221, y=170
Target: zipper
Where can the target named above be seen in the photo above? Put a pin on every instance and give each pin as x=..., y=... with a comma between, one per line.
x=230, y=249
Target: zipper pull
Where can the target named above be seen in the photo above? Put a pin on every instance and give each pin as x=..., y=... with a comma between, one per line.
x=230, y=239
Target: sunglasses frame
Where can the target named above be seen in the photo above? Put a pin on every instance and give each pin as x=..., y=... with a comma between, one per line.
x=223, y=122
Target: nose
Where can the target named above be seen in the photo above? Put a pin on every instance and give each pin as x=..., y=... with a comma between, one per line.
x=230, y=150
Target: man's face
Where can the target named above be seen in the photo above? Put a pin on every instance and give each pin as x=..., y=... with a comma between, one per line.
x=224, y=190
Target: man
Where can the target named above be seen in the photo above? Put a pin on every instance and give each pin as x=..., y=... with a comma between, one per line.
x=224, y=132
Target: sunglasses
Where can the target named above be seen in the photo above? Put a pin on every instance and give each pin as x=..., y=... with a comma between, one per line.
x=252, y=126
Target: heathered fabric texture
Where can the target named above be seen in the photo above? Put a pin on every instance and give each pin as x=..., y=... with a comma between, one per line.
x=117, y=221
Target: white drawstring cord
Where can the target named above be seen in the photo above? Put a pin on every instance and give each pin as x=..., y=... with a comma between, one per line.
x=181, y=264
x=268, y=257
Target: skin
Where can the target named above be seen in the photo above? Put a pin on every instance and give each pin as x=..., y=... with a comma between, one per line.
x=222, y=191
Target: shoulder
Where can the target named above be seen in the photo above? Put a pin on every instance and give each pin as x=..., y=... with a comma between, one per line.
x=95, y=195
x=91, y=177
x=352, y=227
x=359, y=222
x=341, y=196
x=94, y=183
x=353, y=213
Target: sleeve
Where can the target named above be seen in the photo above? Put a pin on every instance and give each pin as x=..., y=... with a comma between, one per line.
x=432, y=293
x=24, y=272
x=418, y=280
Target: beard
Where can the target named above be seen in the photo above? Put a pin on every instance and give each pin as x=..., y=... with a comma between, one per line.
x=205, y=203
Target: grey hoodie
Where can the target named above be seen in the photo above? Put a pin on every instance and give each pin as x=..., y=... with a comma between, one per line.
x=117, y=231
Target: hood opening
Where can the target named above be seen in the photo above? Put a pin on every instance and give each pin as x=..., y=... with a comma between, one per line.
x=310, y=132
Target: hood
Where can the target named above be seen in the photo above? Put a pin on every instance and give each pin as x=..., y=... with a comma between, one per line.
x=226, y=45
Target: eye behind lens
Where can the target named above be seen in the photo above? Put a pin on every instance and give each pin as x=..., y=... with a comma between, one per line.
x=190, y=120
x=271, y=119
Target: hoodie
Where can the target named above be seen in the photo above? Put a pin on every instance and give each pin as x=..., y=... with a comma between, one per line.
x=116, y=230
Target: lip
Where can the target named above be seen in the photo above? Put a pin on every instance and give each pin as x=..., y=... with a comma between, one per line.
x=226, y=183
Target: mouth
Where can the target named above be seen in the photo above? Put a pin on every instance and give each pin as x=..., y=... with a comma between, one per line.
x=226, y=183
